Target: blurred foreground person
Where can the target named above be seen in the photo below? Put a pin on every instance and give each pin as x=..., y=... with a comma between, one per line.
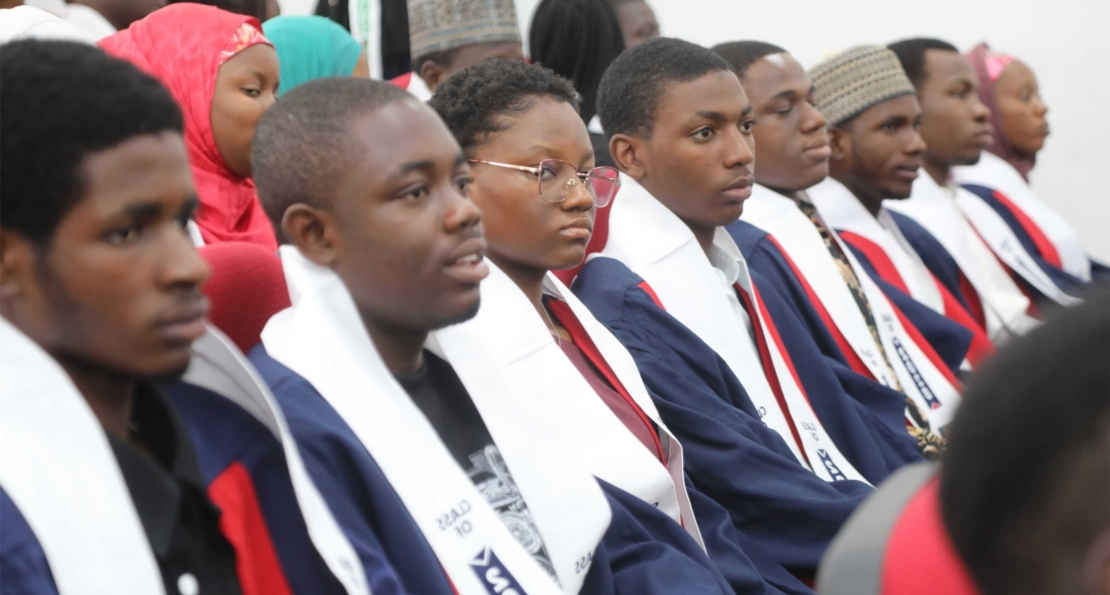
x=1021, y=505
x=137, y=452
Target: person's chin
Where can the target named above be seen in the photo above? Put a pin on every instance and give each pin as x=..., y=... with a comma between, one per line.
x=898, y=191
x=169, y=368
x=464, y=310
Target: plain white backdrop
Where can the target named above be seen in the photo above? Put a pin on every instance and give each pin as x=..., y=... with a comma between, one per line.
x=1064, y=41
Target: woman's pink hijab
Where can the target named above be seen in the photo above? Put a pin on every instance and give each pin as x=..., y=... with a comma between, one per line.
x=183, y=46
x=988, y=67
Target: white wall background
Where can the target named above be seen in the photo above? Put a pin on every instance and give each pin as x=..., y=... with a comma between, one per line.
x=1066, y=42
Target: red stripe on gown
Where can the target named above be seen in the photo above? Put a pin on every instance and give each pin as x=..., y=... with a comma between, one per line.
x=585, y=344
x=1040, y=240
x=244, y=526
x=769, y=364
x=981, y=346
x=850, y=354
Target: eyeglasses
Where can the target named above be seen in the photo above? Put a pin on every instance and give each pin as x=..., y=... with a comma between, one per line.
x=557, y=179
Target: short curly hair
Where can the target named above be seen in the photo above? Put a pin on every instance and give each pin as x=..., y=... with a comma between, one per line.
x=630, y=90
x=470, y=100
x=63, y=102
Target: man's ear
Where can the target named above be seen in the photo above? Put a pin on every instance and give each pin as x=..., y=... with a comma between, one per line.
x=433, y=74
x=840, y=144
x=627, y=153
x=17, y=260
x=312, y=232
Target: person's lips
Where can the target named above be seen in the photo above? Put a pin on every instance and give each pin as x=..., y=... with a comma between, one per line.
x=818, y=150
x=907, y=172
x=580, y=228
x=467, y=262
x=984, y=137
x=186, y=323
x=741, y=189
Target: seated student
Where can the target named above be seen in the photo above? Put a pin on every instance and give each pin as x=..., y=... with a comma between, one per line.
x=538, y=218
x=312, y=47
x=784, y=237
x=450, y=441
x=224, y=74
x=446, y=36
x=1001, y=178
x=956, y=128
x=685, y=326
x=117, y=476
x=794, y=160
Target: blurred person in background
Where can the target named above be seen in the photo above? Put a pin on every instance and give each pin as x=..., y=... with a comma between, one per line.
x=578, y=39
x=224, y=74
x=637, y=21
x=311, y=47
x=1001, y=178
x=446, y=36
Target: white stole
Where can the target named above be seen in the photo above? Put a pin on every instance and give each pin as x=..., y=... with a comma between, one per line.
x=58, y=467
x=322, y=339
x=218, y=366
x=995, y=173
x=841, y=210
x=919, y=378
x=1004, y=305
x=655, y=244
x=1004, y=243
x=519, y=338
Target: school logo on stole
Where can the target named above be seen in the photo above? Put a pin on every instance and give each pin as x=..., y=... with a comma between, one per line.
x=834, y=472
x=493, y=574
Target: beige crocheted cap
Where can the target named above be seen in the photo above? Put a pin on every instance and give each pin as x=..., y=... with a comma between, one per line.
x=856, y=79
x=436, y=25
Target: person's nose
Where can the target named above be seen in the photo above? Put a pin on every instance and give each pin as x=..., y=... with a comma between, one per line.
x=461, y=212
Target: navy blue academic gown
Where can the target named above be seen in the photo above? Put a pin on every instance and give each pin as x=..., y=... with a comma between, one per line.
x=1065, y=281
x=950, y=340
x=643, y=551
x=730, y=456
x=235, y=452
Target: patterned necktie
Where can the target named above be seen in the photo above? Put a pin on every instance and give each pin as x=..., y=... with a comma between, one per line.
x=930, y=444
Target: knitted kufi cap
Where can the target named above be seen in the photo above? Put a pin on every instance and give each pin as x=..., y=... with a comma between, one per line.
x=856, y=79
x=437, y=25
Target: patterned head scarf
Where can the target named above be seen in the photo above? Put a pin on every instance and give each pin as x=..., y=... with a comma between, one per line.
x=183, y=46
x=437, y=25
x=856, y=79
x=988, y=67
x=310, y=48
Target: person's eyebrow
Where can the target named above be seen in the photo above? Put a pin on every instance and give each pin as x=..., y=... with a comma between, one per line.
x=787, y=94
x=747, y=111
x=142, y=210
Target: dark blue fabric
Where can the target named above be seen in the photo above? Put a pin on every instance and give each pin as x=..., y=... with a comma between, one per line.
x=949, y=338
x=735, y=554
x=397, y=558
x=1100, y=273
x=1067, y=282
x=730, y=455
x=643, y=551
x=222, y=434
x=818, y=359
x=931, y=252
x=23, y=566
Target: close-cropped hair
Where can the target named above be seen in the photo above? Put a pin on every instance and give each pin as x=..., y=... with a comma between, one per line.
x=471, y=100
x=62, y=102
x=304, y=144
x=911, y=53
x=741, y=54
x=1025, y=484
x=632, y=87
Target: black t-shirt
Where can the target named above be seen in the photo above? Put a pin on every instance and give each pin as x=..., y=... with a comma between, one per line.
x=443, y=399
x=180, y=523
